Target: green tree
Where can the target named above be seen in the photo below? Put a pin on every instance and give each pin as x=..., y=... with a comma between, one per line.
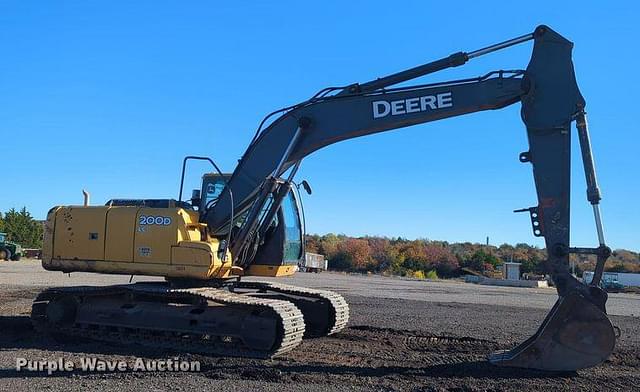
x=329, y=245
x=22, y=228
x=481, y=261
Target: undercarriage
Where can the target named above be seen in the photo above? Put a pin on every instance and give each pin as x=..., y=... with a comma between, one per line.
x=247, y=319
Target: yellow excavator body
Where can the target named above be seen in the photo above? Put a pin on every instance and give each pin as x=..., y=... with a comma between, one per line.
x=168, y=242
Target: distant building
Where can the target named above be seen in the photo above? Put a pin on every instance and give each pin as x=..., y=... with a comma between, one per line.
x=511, y=271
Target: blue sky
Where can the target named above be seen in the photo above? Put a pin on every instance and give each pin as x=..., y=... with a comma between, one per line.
x=109, y=96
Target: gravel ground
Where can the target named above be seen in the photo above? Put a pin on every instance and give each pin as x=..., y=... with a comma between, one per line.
x=403, y=335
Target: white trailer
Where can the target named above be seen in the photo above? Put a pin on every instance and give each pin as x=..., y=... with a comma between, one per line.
x=313, y=262
x=624, y=278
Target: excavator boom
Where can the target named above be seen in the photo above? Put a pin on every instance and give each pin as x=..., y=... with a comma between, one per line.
x=550, y=100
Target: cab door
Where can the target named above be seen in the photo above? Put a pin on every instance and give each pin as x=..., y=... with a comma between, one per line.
x=283, y=246
x=293, y=221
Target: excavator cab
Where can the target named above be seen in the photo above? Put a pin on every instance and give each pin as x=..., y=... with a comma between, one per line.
x=282, y=247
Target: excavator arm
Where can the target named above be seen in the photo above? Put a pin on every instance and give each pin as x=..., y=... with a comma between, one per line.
x=577, y=332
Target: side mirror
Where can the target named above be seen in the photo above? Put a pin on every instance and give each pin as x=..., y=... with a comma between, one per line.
x=306, y=187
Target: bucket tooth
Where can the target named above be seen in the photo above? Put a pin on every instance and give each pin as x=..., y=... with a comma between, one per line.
x=576, y=334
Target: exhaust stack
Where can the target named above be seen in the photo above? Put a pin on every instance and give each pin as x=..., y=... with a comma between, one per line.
x=87, y=198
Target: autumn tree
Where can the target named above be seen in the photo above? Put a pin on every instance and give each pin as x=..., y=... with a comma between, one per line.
x=442, y=260
x=383, y=253
x=329, y=245
x=414, y=256
x=312, y=243
x=409, y=257
x=355, y=254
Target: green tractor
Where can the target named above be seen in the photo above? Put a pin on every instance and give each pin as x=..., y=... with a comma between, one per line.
x=9, y=250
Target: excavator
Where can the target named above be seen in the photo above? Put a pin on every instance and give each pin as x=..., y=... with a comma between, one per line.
x=249, y=224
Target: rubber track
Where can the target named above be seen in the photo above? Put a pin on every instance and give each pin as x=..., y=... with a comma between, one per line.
x=290, y=318
x=339, y=305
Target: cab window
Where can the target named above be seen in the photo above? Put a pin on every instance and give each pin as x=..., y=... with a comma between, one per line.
x=293, y=231
x=213, y=190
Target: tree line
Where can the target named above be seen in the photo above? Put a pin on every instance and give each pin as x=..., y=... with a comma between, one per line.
x=425, y=258
x=21, y=228
x=398, y=256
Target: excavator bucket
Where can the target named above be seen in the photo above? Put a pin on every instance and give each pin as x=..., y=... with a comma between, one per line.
x=576, y=334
